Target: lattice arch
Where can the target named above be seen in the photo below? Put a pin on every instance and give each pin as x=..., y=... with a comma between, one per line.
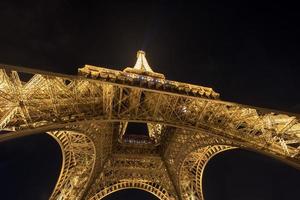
x=147, y=186
x=192, y=169
x=78, y=158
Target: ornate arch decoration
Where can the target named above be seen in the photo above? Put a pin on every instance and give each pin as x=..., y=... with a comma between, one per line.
x=78, y=159
x=192, y=169
x=148, y=186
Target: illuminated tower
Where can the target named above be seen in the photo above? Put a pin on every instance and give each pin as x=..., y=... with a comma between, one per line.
x=88, y=115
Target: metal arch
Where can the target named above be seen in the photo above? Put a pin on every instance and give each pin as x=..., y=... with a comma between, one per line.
x=147, y=172
x=78, y=159
x=102, y=136
x=179, y=149
x=150, y=187
x=192, y=169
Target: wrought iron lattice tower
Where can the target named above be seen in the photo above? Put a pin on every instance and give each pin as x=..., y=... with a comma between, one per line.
x=88, y=115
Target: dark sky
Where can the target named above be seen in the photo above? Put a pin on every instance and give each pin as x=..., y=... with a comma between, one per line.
x=247, y=51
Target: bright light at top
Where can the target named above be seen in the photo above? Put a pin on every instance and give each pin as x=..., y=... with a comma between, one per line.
x=141, y=62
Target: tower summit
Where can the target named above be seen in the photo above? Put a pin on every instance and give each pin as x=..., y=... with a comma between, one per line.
x=88, y=114
x=141, y=62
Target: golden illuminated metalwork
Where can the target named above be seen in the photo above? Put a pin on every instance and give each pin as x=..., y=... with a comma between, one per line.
x=88, y=115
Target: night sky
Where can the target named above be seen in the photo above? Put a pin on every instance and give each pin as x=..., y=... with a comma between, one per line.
x=247, y=51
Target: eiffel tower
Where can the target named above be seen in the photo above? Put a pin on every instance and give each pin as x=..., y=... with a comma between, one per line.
x=88, y=115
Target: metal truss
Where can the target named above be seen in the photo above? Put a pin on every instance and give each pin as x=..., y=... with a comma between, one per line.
x=78, y=161
x=144, y=172
x=88, y=114
x=192, y=169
